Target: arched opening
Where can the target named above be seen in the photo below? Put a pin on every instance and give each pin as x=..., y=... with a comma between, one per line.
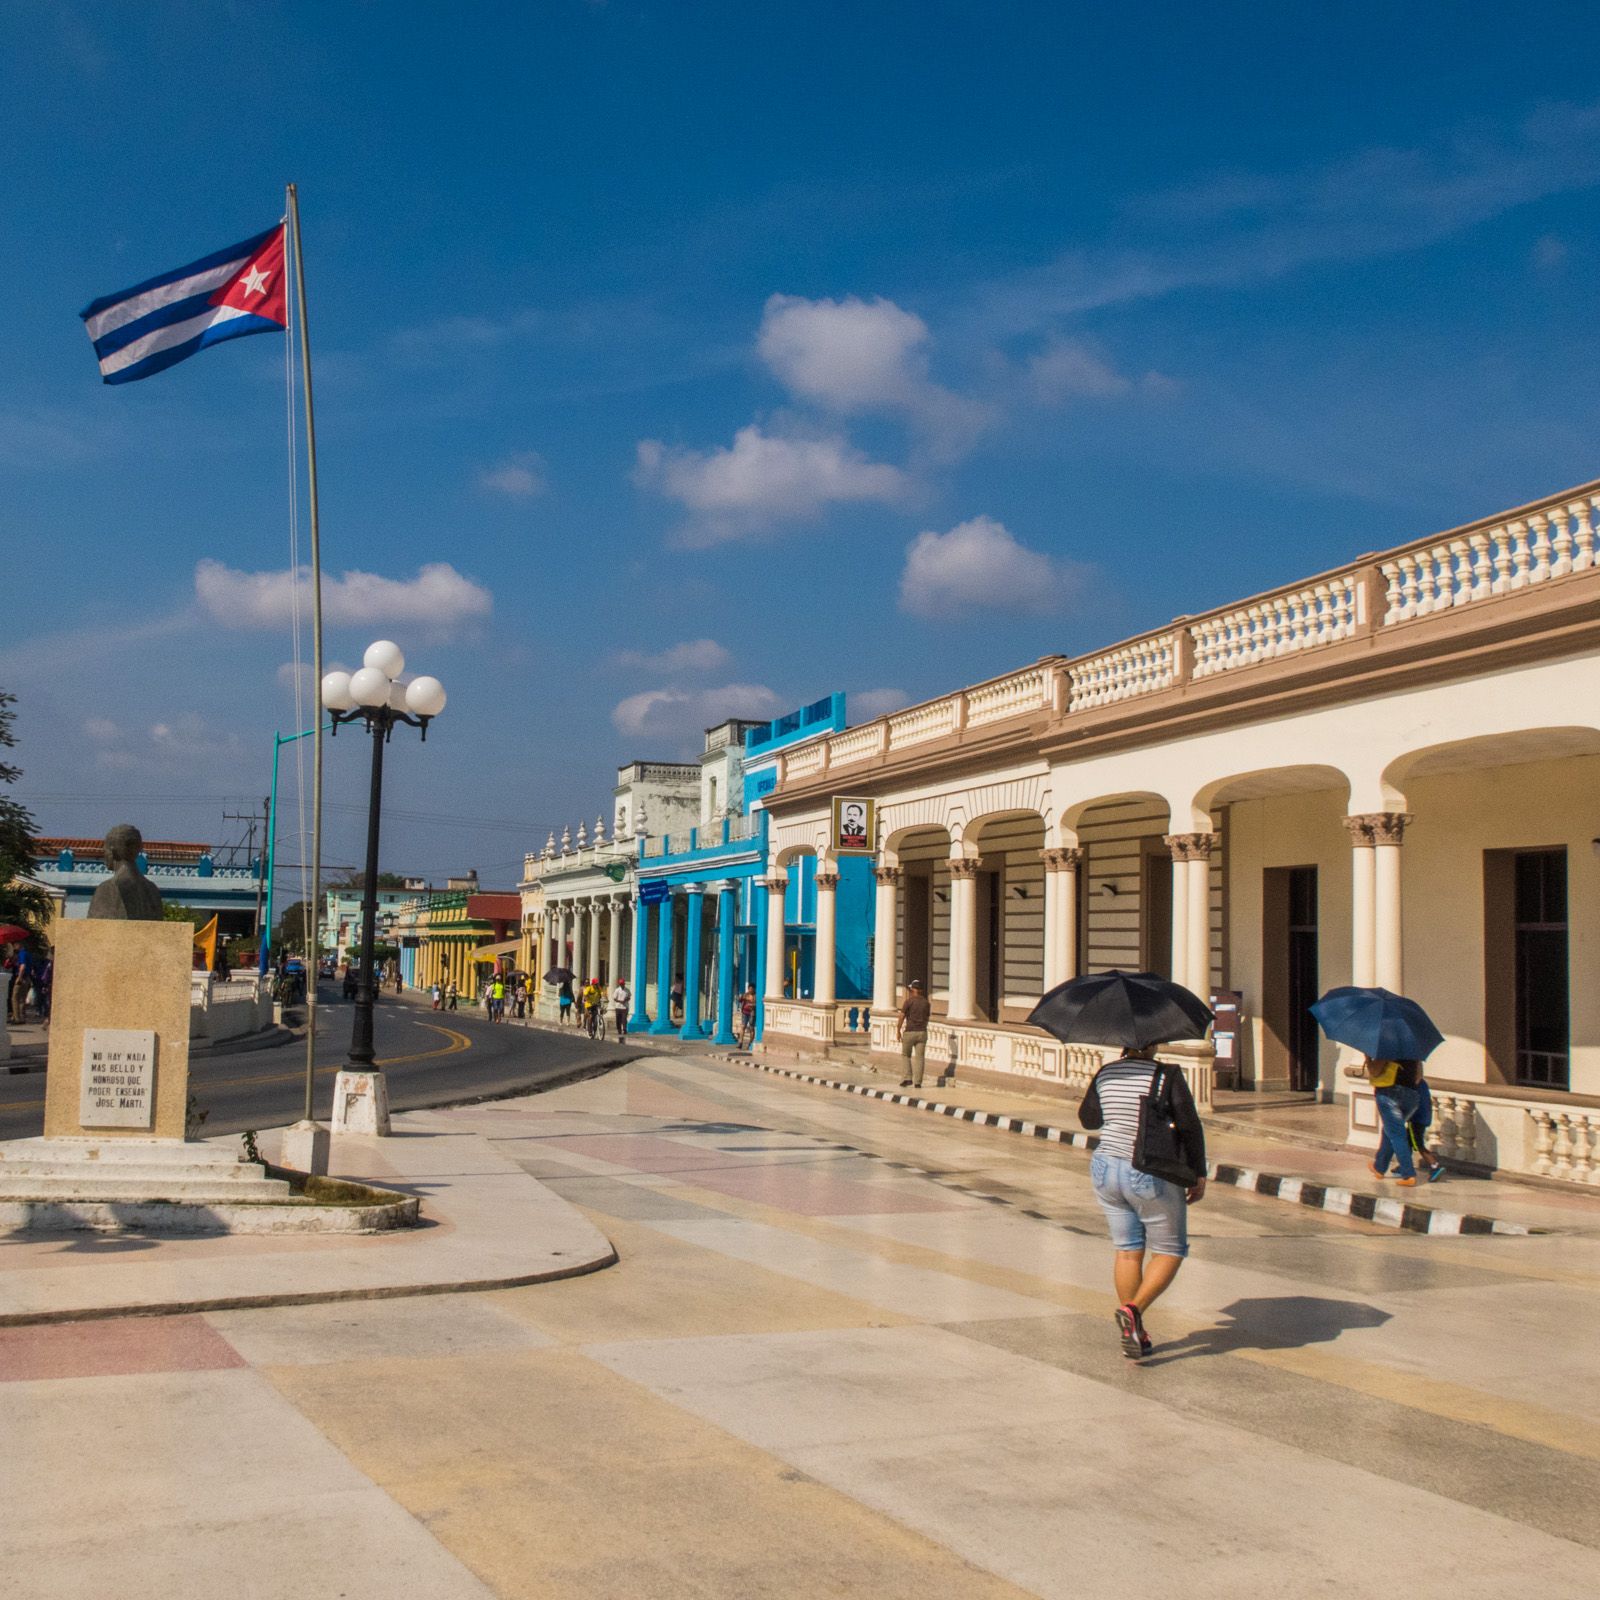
x=1009, y=919
x=921, y=937
x=1124, y=883
x=799, y=862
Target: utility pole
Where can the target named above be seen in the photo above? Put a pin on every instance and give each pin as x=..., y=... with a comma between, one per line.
x=250, y=819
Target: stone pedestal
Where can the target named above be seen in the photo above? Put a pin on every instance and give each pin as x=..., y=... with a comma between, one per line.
x=305, y=1148
x=360, y=1103
x=119, y=1031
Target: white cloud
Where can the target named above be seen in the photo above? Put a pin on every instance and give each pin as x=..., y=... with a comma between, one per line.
x=438, y=596
x=189, y=737
x=682, y=715
x=979, y=565
x=693, y=655
x=102, y=730
x=1067, y=367
x=866, y=704
x=1238, y=228
x=851, y=356
x=763, y=479
x=519, y=477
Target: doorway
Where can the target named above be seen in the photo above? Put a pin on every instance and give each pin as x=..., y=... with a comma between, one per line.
x=1155, y=908
x=1304, y=1040
x=988, y=939
x=1543, y=1018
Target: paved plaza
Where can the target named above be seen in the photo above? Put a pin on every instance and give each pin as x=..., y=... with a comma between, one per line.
x=847, y=1348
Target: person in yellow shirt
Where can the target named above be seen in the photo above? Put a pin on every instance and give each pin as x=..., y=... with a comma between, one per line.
x=1394, y=1088
x=593, y=994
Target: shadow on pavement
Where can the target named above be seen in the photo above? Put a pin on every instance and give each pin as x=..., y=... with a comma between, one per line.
x=1285, y=1322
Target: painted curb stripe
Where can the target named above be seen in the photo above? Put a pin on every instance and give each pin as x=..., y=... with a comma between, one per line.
x=1385, y=1212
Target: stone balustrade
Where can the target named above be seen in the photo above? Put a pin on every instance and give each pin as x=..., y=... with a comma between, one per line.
x=1278, y=625
x=1014, y=695
x=1553, y=539
x=806, y=759
x=860, y=743
x=1140, y=667
x=1508, y=1132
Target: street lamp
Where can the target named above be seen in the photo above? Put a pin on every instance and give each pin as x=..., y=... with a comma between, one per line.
x=374, y=695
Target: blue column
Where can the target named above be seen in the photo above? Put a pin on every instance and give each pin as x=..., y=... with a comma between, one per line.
x=758, y=911
x=727, y=937
x=663, y=1022
x=640, y=1020
x=691, y=966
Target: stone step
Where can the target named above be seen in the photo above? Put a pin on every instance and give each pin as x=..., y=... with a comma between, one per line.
x=82, y=1153
x=199, y=1189
x=130, y=1172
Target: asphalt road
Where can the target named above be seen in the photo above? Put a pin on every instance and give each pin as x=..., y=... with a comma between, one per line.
x=430, y=1058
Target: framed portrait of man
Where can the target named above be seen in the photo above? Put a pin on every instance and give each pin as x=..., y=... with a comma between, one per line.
x=855, y=825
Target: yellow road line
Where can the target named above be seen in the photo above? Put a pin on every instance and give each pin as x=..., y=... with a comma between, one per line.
x=458, y=1043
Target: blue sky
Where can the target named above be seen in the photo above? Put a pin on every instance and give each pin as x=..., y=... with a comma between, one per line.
x=682, y=360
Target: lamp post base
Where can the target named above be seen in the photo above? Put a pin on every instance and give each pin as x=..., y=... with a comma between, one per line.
x=361, y=1103
x=305, y=1149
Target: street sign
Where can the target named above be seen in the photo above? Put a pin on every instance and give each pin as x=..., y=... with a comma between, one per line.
x=654, y=890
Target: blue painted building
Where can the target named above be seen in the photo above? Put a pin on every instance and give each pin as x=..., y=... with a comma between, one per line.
x=701, y=916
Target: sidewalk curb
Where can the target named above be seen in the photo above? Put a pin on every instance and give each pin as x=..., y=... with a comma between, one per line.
x=1386, y=1213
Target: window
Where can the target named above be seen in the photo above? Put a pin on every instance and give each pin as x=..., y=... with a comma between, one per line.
x=713, y=810
x=1543, y=1027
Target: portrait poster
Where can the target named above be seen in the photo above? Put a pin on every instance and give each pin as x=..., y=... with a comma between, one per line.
x=855, y=824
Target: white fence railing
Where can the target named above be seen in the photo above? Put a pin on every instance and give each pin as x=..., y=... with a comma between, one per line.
x=1554, y=539
x=1540, y=1138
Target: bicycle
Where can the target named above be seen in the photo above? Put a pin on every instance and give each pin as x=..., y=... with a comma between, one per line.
x=594, y=1022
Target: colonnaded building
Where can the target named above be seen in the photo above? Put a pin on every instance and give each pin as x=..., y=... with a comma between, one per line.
x=1388, y=773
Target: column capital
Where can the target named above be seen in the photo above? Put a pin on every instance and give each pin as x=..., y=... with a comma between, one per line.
x=1065, y=858
x=1378, y=827
x=827, y=881
x=963, y=869
x=889, y=876
x=1189, y=846
x=728, y=886
x=775, y=885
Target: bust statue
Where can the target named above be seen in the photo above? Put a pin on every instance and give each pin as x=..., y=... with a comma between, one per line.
x=126, y=896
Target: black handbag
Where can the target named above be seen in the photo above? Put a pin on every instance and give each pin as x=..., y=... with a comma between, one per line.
x=1158, y=1147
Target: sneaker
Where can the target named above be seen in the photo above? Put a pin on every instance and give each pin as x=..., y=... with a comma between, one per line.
x=1132, y=1331
x=905, y=1083
x=1406, y=1183
x=1436, y=1172
x=1380, y=1176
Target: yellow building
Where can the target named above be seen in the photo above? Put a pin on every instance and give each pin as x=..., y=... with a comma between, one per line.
x=457, y=930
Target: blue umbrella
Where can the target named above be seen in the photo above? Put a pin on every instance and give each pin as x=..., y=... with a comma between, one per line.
x=1386, y=1026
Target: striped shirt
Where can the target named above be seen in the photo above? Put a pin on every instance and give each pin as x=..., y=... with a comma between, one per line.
x=1120, y=1086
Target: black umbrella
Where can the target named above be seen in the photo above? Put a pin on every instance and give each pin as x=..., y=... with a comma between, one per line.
x=1128, y=1009
x=560, y=975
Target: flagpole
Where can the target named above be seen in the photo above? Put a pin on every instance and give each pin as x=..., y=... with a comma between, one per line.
x=313, y=962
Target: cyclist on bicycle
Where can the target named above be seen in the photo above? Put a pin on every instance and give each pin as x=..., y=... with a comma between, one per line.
x=592, y=996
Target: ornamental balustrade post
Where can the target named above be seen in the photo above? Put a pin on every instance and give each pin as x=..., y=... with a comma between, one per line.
x=776, y=887
x=695, y=922
x=963, y=1002
x=664, y=921
x=639, y=1022
x=885, y=939
x=727, y=922
x=825, y=961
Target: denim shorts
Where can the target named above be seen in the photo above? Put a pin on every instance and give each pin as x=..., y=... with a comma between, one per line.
x=1144, y=1212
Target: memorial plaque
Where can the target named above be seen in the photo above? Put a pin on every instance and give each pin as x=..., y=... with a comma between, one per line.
x=119, y=1078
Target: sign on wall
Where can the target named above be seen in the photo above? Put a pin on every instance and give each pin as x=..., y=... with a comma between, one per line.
x=117, y=1089
x=654, y=890
x=855, y=824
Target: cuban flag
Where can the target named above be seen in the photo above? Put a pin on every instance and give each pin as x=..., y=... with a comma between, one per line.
x=165, y=320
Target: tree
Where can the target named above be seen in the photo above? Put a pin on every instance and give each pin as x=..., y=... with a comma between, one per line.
x=356, y=881
x=296, y=926
x=21, y=902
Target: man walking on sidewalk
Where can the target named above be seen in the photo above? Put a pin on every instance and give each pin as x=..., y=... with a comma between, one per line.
x=912, y=1032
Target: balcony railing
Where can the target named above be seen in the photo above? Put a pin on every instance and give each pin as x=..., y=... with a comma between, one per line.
x=1545, y=542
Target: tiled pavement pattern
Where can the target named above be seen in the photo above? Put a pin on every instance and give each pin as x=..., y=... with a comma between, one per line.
x=817, y=1371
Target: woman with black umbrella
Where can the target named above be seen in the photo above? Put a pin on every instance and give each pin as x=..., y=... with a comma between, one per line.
x=1150, y=1163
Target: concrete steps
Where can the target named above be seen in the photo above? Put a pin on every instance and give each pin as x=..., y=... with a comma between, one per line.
x=132, y=1170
